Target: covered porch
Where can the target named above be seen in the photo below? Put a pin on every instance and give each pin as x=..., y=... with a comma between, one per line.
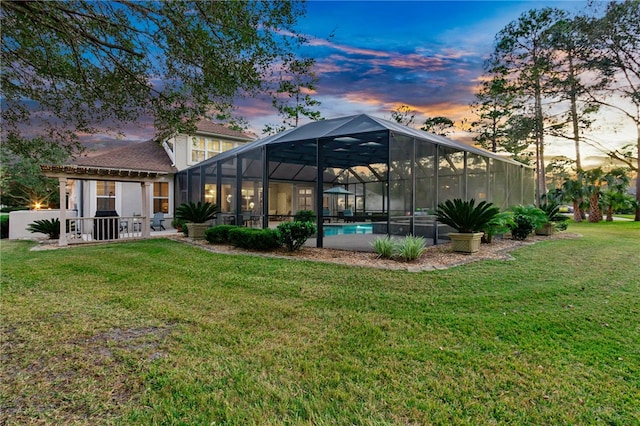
x=104, y=225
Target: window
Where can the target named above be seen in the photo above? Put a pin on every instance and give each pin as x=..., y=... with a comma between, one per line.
x=161, y=197
x=210, y=193
x=305, y=199
x=203, y=148
x=105, y=195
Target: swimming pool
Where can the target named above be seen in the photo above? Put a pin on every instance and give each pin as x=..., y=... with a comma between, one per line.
x=331, y=230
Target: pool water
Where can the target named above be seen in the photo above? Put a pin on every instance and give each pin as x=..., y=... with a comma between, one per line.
x=332, y=230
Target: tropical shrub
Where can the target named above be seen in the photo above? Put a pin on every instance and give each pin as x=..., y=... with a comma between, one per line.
x=411, y=248
x=465, y=216
x=218, y=234
x=552, y=211
x=294, y=234
x=196, y=212
x=408, y=249
x=384, y=247
x=50, y=227
x=254, y=239
x=527, y=219
x=499, y=224
x=305, y=216
x=178, y=224
x=524, y=226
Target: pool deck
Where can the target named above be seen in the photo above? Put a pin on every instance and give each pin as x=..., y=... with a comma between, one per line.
x=352, y=242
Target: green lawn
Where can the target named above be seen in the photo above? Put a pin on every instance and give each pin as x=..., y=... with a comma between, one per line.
x=158, y=332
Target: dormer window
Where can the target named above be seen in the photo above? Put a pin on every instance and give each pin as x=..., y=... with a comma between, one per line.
x=203, y=148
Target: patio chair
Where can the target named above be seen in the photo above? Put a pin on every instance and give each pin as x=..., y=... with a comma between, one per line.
x=326, y=215
x=246, y=218
x=348, y=216
x=158, y=218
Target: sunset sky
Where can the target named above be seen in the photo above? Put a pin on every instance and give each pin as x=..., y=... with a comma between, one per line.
x=373, y=56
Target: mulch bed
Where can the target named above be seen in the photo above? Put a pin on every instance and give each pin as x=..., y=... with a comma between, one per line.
x=435, y=257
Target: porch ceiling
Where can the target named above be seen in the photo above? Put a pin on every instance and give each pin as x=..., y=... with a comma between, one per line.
x=100, y=173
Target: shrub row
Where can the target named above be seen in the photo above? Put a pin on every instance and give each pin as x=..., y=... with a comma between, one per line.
x=290, y=234
x=254, y=239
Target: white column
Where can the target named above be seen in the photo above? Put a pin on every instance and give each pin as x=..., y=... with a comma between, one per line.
x=62, y=241
x=146, y=233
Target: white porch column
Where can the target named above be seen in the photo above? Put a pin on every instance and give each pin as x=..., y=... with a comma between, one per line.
x=62, y=241
x=146, y=233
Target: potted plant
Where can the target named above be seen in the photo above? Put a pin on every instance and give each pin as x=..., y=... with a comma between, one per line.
x=553, y=216
x=468, y=219
x=195, y=216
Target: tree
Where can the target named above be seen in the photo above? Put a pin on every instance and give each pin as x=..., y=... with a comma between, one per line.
x=558, y=170
x=494, y=106
x=573, y=190
x=404, y=115
x=617, y=182
x=22, y=184
x=594, y=180
x=616, y=69
x=522, y=52
x=293, y=98
x=439, y=125
x=85, y=66
x=520, y=136
x=572, y=47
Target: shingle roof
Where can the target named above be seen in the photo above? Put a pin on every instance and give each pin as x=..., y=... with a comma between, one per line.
x=145, y=156
x=207, y=126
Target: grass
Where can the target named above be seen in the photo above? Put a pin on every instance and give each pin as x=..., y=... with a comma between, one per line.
x=157, y=332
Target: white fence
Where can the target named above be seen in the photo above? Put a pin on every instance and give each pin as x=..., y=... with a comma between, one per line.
x=79, y=229
x=87, y=229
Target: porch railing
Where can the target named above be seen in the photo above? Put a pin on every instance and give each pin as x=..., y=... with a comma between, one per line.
x=91, y=229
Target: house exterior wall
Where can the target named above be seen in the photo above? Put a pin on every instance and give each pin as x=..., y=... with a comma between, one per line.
x=128, y=202
x=180, y=148
x=20, y=220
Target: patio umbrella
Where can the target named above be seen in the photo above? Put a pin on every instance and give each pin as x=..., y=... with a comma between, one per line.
x=338, y=190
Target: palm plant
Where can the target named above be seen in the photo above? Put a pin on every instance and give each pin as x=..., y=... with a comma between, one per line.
x=573, y=191
x=465, y=216
x=50, y=227
x=552, y=211
x=196, y=212
x=594, y=178
x=615, y=195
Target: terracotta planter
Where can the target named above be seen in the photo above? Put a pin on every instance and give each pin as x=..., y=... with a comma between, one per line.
x=546, y=229
x=465, y=243
x=196, y=230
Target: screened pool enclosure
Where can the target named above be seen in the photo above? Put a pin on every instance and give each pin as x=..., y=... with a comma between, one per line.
x=390, y=175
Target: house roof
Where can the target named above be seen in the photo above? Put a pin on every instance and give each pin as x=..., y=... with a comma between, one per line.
x=206, y=126
x=135, y=162
x=296, y=145
x=146, y=156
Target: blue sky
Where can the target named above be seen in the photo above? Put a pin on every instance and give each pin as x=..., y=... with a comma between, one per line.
x=373, y=56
